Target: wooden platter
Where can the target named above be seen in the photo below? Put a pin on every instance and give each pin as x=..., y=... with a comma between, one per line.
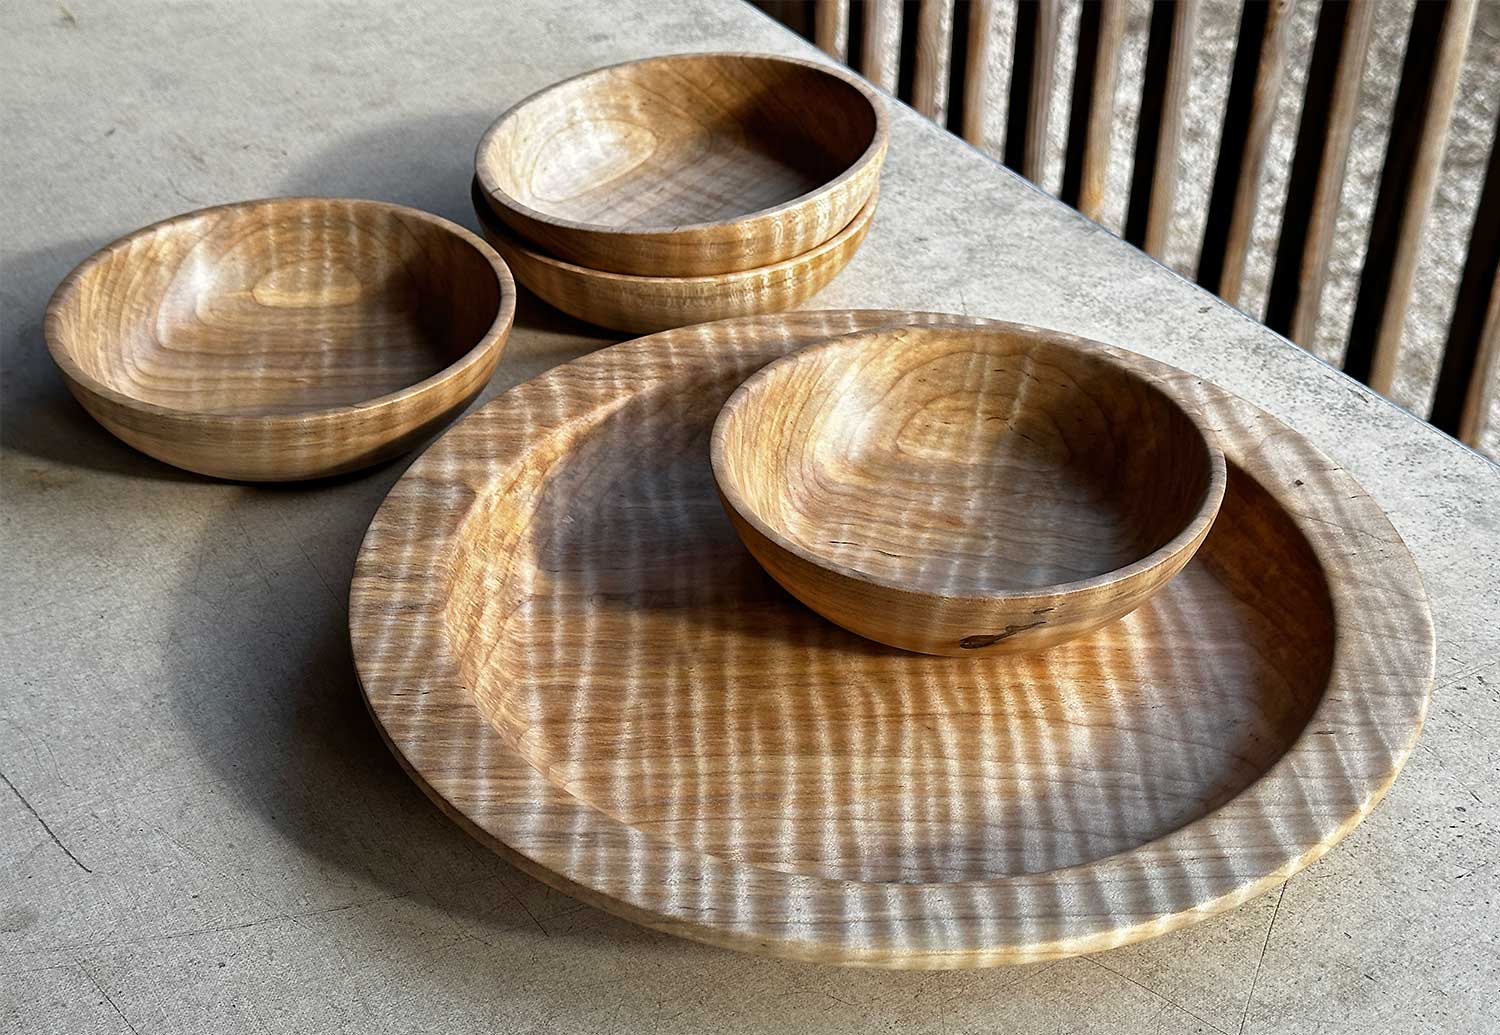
x=563, y=640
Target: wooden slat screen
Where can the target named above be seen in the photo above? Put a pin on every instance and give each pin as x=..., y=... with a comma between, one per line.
x=940, y=56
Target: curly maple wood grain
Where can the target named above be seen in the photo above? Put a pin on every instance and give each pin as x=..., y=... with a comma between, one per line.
x=282, y=339
x=641, y=305
x=958, y=489
x=564, y=642
x=686, y=165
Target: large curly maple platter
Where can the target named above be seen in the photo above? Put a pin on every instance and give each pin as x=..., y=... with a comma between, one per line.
x=564, y=641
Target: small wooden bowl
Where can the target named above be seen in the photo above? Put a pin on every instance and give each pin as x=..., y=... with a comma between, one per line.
x=282, y=339
x=964, y=490
x=644, y=305
x=686, y=165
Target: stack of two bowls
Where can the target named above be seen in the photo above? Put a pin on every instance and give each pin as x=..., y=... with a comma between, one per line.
x=683, y=189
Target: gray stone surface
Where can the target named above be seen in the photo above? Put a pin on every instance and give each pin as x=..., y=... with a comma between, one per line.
x=199, y=827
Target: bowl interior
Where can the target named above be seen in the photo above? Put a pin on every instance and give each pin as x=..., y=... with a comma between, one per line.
x=963, y=461
x=679, y=140
x=278, y=307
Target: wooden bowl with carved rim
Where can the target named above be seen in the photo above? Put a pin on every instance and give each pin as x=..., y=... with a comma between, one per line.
x=966, y=490
x=686, y=165
x=283, y=339
x=645, y=305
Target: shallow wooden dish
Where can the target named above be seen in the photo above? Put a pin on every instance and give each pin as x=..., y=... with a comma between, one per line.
x=561, y=637
x=952, y=490
x=641, y=305
x=686, y=165
x=282, y=339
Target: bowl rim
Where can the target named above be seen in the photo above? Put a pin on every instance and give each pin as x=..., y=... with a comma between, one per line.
x=1195, y=529
x=494, y=336
x=879, y=140
x=493, y=224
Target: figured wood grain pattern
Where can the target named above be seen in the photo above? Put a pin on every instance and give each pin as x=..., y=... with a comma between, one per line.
x=647, y=304
x=881, y=62
x=564, y=642
x=282, y=339
x=686, y=165
x=1414, y=153
x=929, y=94
x=832, y=28
x=963, y=490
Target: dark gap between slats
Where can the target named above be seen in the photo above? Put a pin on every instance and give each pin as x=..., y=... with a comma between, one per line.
x=1472, y=303
x=1232, y=143
x=1412, y=99
x=958, y=66
x=1148, y=132
x=1307, y=159
x=1082, y=112
x=1022, y=62
x=794, y=15
x=857, y=34
x=906, y=71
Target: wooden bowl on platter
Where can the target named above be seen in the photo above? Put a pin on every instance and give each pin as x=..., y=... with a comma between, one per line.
x=645, y=305
x=686, y=165
x=282, y=339
x=964, y=490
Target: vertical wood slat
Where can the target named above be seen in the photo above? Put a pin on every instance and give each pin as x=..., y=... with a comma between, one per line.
x=831, y=28
x=1169, y=66
x=882, y=43
x=934, y=48
x=1039, y=99
x=982, y=26
x=1471, y=360
x=1095, y=159
x=1254, y=89
x=1419, y=135
x=1319, y=163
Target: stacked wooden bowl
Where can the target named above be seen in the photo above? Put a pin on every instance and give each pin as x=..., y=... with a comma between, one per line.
x=682, y=189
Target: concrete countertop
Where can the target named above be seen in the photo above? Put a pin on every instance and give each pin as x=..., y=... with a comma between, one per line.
x=200, y=829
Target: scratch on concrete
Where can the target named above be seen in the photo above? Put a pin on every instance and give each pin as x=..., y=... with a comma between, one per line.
x=108, y=999
x=517, y=899
x=1264, y=946
x=38, y=817
x=338, y=601
x=1154, y=993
